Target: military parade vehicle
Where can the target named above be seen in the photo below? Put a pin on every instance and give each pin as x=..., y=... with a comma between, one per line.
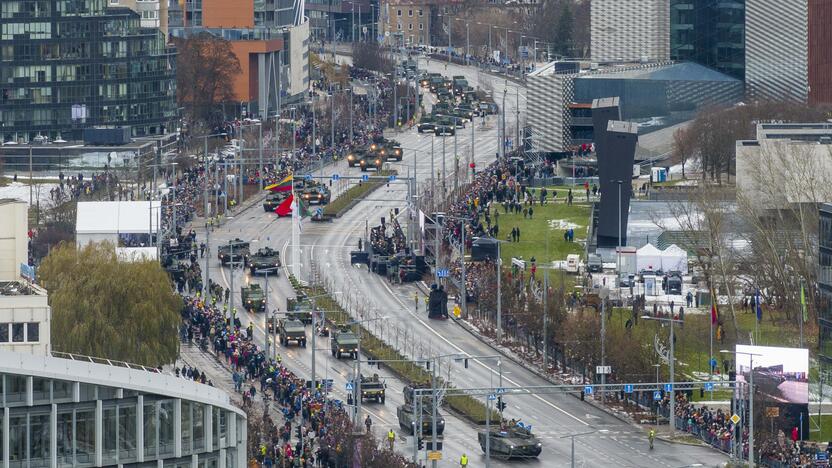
x=263, y=259
x=238, y=248
x=291, y=330
x=273, y=201
x=253, y=297
x=343, y=342
x=299, y=308
x=372, y=388
x=511, y=442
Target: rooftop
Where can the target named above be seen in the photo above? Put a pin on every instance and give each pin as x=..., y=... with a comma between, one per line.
x=655, y=71
x=19, y=288
x=129, y=217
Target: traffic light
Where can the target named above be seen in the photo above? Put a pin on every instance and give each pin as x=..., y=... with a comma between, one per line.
x=421, y=444
x=500, y=404
x=466, y=362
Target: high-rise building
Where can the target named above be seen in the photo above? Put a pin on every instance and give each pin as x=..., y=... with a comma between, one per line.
x=342, y=20
x=710, y=33
x=269, y=37
x=825, y=285
x=66, y=66
x=630, y=30
x=820, y=52
x=154, y=13
x=776, y=49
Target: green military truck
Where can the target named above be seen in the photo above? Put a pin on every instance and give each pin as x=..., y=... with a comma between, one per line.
x=372, y=388
x=273, y=201
x=264, y=259
x=344, y=342
x=253, y=298
x=291, y=330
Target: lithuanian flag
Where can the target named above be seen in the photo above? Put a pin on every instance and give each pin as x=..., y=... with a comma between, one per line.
x=284, y=185
x=285, y=207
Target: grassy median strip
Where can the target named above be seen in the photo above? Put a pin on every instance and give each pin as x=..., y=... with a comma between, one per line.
x=354, y=194
x=406, y=370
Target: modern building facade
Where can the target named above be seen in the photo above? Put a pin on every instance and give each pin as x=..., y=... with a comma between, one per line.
x=824, y=305
x=710, y=33
x=630, y=30
x=342, y=20
x=820, y=53
x=66, y=66
x=154, y=13
x=653, y=95
x=773, y=169
x=69, y=411
x=25, y=318
x=272, y=47
x=777, y=55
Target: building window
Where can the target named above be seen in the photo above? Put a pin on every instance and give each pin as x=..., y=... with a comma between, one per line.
x=421, y=26
x=421, y=12
x=399, y=26
x=410, y=26
x=17, y=332
x=410, y=12
x=4, y=332
x=33, y=332
x=399, y=12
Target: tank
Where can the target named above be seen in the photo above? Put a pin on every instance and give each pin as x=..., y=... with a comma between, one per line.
x=513, y=442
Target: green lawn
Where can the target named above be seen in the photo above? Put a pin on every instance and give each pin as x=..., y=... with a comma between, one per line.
x=825, y=433
x=542, y=235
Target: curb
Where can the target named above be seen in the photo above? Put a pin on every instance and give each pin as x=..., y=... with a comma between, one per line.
x=681, y=442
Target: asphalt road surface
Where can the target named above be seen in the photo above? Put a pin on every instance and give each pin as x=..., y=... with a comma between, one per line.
x=326, y=247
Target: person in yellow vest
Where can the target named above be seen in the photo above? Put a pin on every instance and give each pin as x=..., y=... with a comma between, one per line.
x=463, y=461
x=391, y=438
x=457, y=311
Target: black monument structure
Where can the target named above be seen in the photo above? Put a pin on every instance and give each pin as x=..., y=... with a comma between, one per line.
x=615, y=147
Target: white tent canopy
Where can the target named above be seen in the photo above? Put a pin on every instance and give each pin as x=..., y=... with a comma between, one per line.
x=675, y=258
x=648, y=258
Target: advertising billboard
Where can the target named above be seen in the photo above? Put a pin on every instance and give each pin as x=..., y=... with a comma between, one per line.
x=781, y=383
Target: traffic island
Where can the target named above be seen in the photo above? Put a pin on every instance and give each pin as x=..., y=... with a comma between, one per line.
x=405, y=369
x=354, y=194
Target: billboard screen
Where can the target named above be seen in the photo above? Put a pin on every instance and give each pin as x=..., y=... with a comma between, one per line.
x=780, y=373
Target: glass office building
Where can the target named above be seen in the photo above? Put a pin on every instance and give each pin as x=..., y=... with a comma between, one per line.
x=66, y=65
x=65, y=412
x=825, y=286
x=710, y=33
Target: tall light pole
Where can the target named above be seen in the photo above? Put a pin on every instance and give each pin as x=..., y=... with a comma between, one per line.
x=671, y=366
x=750, y=400
x=206, y=214
x=572, y=436
x=618, y=255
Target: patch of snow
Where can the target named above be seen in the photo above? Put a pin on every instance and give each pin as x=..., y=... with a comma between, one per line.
x=562, y=224
x=20, y=191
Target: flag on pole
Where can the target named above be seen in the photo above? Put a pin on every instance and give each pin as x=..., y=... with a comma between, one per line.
x=284, y=185
x=758, y=306
x=285, y=207
x=803, y=304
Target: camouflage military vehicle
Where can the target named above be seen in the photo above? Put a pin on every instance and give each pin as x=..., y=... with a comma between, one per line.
x=265, y=258
x=253, y=298
x=344, y=342
x=407, y=417
x=291, y=330
x=513, y=442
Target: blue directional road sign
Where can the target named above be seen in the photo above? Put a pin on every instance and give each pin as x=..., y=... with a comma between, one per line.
x=349, y=386
x=657, y=395
x=628, y=388
x=709, y=386
x=307, y=177
x=668, y=387
x=500, y=391
x=492, y=397
x=336, y=177
x=442, y=273
x=393, y=178
x=588, y=390
x=365, y=177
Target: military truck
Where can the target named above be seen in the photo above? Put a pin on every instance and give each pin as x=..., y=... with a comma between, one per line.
x=264, y=258
x=253, y=298
x=394, y=150
x=273, y=201
x=512, y=442
x=239, y=249
x=291, y=330
x=407, y=417
x=372, y=388
x=344, y=342
x=426, y=123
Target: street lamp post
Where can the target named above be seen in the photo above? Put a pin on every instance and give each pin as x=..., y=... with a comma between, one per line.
x=572, y=436
x=750, y=401
x=671, y=367
x=618, y=256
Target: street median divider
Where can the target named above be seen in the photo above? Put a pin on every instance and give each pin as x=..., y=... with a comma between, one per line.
x=404, y=369
x=353, y=195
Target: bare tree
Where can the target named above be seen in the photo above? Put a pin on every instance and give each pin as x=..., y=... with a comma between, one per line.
x=205, y=71
x=684, y=147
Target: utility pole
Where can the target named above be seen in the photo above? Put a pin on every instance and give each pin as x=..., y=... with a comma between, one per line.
x=352, y=108
x=456, y=162
x=435, y=403
x=503, y=120
x=395, y=97
x=467, y=44
x=517, y=117
x=545, y=321
x=433, y=175
x=260, y=168
x=499, y=298
x=449, y=38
